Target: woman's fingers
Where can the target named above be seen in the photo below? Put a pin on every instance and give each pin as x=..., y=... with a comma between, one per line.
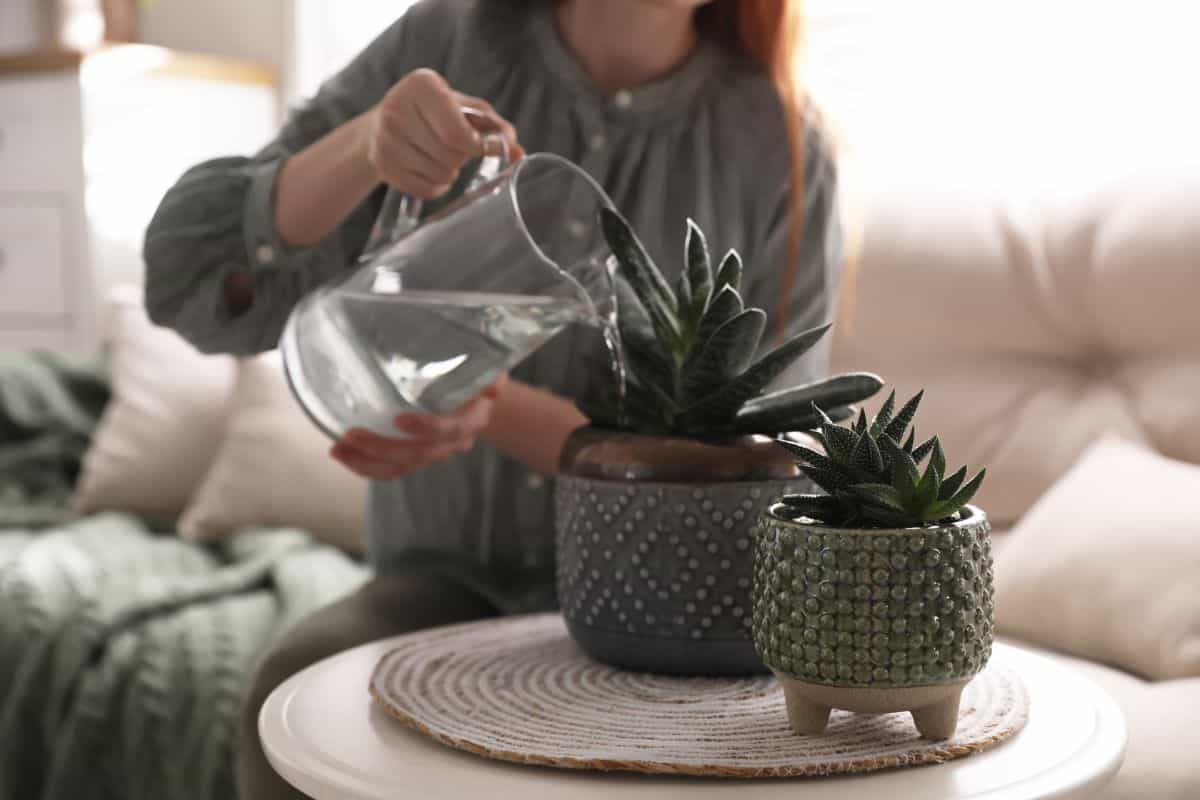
x=442, y=115
x=401, y=162
x=474, y=416
x=419, y=138
x=367, y=467
x=496, y=122
x=400, y=459
x=466, y=421
x=421, y=156
x=430, y=439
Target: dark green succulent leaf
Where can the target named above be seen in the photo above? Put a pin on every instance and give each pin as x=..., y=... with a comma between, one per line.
x=727, y=401
x=601, y=414
x=820, y=507
x=683, y=288
x=866, y=455
x=925, y=448
x=828, y=479
x=730, y=272
x=860, y=425
x=634, y=265
x=873, y=481
x=663, y=398
x=884, y=416
x=776, y=418
x=628, y=249
x=950, y=485
x=938, y=459
x=839, y=442
x=838, y=413
x=726, y=354
x=805, y=454
x=905, y=476
x=927, y=489
x=939, y=511
x=896, y=427
x=699, y=272
x=637, y=335
x=725, y=306
x=879, y=493
x=825, y=418
x=643, y=359
x=827, y=393
x=945, y=508
x=966, y=493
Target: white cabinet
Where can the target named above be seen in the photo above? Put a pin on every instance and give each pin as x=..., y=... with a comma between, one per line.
x=23, y=24
x=88, y=147
x=33, y=266
x=46, y=292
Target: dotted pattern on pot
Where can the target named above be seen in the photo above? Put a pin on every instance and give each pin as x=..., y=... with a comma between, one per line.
x=873, y=609
x=660, y=559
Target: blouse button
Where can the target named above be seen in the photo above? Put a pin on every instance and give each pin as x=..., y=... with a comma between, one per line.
x=599, y=141
x=265, y=254
x=577, y=228
x=623, y=99
x=535, y=482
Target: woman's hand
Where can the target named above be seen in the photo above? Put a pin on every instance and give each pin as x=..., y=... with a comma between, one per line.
x=431, y=439
x=417, y=138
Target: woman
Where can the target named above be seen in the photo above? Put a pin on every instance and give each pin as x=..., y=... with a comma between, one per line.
x=677, y=107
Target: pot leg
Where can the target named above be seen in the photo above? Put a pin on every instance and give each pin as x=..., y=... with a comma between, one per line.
x=807, y=717
x=939, y=720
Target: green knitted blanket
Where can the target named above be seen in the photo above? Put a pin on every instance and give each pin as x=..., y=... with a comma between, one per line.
x=49, y=406
x=124, y=653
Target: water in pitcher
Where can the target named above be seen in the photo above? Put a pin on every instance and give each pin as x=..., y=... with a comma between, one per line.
x=366, y=357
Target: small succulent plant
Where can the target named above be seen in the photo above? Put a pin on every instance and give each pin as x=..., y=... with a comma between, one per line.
x=691, y=352
x=873, y=481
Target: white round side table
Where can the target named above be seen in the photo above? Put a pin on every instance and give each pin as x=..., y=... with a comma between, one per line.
x=322, y=732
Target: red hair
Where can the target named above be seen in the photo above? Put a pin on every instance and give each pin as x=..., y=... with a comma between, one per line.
x=771, y=32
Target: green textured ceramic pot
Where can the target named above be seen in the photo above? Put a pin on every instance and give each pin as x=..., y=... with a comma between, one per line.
x=873, y=621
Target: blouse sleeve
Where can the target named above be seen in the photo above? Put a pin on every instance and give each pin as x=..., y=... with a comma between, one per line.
x=812, y=295
x=218, y=219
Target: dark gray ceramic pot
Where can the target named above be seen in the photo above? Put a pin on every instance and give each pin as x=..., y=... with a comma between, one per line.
x=873, y=620
x=655, y=548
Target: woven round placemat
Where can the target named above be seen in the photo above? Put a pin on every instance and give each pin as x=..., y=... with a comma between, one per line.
x=519, y=689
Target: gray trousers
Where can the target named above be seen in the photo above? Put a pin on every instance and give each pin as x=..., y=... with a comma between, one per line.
x=385, y=606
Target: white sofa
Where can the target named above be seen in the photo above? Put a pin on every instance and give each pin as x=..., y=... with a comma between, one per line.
x=1037, y=324
x=1024, y=184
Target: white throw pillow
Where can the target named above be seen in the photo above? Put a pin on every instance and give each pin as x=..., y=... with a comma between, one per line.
x=1106, y=565
x=274, y=468
x=160, y=431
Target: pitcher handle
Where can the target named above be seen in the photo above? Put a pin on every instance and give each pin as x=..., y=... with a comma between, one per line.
x=401, y=213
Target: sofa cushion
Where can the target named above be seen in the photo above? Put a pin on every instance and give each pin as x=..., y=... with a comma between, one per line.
x=160, y=431
x=1033, y=332
x=274, y=468
x=1105, y=565
x=1160, y=758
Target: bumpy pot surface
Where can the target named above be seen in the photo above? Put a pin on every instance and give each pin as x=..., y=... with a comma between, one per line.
x=846, y=613
x=655, y=554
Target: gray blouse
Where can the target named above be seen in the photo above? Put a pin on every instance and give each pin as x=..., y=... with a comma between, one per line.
x=708, y=141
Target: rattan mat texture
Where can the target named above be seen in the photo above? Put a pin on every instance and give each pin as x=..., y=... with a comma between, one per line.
x=519, y=689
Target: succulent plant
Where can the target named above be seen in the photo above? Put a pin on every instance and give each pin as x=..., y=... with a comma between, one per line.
x=873, y=481
x=690, y=352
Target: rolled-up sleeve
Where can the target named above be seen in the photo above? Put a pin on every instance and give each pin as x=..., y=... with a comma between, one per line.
x=218, y=220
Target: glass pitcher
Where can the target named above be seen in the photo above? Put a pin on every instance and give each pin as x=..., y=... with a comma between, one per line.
x=437, y=310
